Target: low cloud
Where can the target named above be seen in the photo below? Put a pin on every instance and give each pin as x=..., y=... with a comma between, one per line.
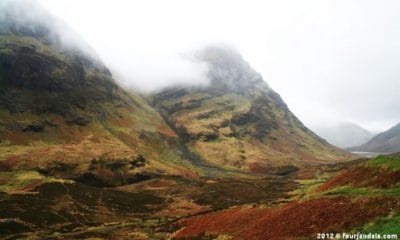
x=331, y=61
x=152, y=72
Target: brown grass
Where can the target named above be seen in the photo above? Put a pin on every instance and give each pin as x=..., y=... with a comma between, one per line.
x=296, y=219
x=363, y=176
x=166, y=131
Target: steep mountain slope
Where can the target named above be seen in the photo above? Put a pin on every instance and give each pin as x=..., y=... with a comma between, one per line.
x=238, y=121
x=60, y=108
x=386, y=142
x=344, y=134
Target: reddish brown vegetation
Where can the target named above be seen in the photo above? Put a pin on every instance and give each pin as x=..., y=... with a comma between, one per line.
x=20, y=137
x=105, y=173
x=257, y=168
x=227, y=221
x=9, y=163
x=166, y=131
x=296, y=219
x=363, y=177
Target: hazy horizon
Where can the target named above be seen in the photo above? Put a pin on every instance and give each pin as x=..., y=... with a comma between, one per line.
x=331, y=61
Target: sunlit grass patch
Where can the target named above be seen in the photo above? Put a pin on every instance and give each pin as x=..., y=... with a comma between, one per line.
x=388, y=225
x=352, y=191
x=22, y=181
x=306, y=188
x=391, y=162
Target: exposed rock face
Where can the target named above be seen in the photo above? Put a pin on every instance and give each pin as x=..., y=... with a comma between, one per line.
x=238, y=121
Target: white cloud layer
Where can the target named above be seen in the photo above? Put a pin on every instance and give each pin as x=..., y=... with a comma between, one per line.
x=332, y=61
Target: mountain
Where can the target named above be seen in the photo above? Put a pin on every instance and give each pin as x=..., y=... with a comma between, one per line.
x=63, y=114
x=61, y=111
x=238, y=121
x=82, y=158
x=344, y=134
x=386, y=142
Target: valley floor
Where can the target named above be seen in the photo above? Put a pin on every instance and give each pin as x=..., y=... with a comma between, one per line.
x=359, y=196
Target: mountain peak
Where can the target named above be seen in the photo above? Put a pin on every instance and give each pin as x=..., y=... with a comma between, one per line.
x=228, y=70
x=238, y=121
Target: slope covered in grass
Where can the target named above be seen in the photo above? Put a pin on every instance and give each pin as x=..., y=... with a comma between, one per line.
x=343, y=202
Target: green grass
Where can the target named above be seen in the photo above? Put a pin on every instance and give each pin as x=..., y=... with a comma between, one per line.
x=347, y=190
x=388, y=225
x=21, y=41
x=15, y=181
x=388, y=162
x=307, y=187
x=391, y=162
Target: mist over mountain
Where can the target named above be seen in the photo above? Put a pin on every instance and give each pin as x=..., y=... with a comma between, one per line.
x=60, y=106
x=54, y=94
x=146, y=49
x=227, y=70
x=212, y=152
x=344, y=135
x=238, y=120
x=28, y=18
x=385, y=142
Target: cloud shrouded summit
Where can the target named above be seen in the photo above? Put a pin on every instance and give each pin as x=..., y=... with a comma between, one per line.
x=332, y=61
x=29, y=18
x=227, y=69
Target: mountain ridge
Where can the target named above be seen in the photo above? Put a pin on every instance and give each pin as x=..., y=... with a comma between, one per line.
x=385, y=142
x=344, y=134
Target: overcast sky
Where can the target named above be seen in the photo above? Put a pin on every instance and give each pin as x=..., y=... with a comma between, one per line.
x=331, y=61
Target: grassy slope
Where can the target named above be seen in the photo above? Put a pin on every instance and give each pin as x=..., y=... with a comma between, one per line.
x=383, y=180
x=276, y=138
x=330, y=202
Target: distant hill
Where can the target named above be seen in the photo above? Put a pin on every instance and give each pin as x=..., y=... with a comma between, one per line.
x=386, y=142
x=344, y=134
x=238, y=121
